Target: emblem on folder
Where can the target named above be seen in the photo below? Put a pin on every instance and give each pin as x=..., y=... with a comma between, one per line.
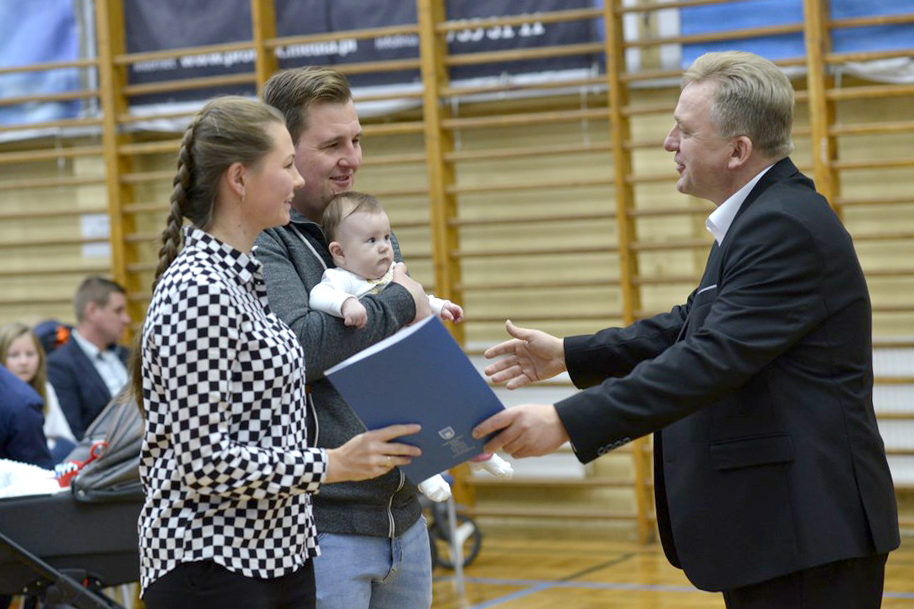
x=447, y=433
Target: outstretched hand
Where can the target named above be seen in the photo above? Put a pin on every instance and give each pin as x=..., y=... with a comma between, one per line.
x=531, y=356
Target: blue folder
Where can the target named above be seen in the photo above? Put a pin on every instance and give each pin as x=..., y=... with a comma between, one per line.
x=420, y=375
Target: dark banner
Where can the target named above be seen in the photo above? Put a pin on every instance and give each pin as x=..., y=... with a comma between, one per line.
x=171, y=24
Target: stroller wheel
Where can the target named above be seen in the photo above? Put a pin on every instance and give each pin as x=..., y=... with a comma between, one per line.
x=468, y=535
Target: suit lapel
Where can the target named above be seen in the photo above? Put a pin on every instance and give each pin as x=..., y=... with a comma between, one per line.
x=708, y=282
x=124, y=355
x=780, y=171
x=88, y=372
x=712, y=270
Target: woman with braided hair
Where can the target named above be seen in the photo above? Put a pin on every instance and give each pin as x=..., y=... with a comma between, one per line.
x=225, y=463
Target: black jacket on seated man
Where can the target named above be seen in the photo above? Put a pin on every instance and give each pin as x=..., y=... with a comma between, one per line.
x=81, y=390
x=21, y=422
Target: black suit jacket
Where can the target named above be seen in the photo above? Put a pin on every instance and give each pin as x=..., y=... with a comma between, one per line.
x=769, y=460
x=82, y=392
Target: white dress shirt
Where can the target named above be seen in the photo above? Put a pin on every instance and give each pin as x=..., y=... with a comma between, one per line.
x=721, y=218
x=108, y=365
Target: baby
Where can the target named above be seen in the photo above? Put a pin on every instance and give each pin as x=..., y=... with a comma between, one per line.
x=358, y=232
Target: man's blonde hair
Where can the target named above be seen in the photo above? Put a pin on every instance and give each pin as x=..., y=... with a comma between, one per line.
x=753, y=98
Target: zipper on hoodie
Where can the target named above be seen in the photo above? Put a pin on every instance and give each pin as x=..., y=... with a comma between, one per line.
x=390, y=506
x=312, y=410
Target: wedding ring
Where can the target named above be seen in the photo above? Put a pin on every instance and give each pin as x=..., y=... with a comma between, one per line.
x=390, y=462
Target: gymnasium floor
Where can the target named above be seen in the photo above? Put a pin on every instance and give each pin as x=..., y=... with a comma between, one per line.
x=512, y=572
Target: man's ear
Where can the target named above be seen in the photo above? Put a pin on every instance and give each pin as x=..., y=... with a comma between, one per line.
x=336, y=250
x=91, y=312
x=741, y=151
x=235, y=177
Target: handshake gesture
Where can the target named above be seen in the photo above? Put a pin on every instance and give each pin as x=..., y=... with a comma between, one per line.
x=528, y=430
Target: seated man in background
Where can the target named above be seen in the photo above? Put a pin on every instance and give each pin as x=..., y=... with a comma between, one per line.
x=90, y=367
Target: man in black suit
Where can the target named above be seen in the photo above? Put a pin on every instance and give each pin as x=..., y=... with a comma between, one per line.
x=770, y=476
x=91, y=367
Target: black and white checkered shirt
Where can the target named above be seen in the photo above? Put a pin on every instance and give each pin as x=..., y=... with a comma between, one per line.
x=225, y=465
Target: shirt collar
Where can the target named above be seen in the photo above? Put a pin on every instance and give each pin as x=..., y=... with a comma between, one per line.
x=298, y=217
x=243, y=266
x=89, y=347
x=718, y=223
x=86, y=345
x=304, y=222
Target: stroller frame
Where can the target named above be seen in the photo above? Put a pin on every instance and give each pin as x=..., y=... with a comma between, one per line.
x=66, y=551
x=55, y=585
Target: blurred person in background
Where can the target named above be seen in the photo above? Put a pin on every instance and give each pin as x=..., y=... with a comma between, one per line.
x=91, y=367
x=22, y=354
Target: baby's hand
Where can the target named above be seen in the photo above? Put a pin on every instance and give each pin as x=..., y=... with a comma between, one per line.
x=493, y=464
x=452, y=312
x=435, y=488
x=354, y=313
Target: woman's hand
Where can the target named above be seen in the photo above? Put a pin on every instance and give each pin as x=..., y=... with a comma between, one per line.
x=371, y=454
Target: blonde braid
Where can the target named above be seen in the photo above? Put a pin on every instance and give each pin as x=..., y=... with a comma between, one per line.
x=227, y=130
x=183, y=180
x=171, y=245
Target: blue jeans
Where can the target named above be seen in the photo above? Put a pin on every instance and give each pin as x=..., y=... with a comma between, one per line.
x=364, y=572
